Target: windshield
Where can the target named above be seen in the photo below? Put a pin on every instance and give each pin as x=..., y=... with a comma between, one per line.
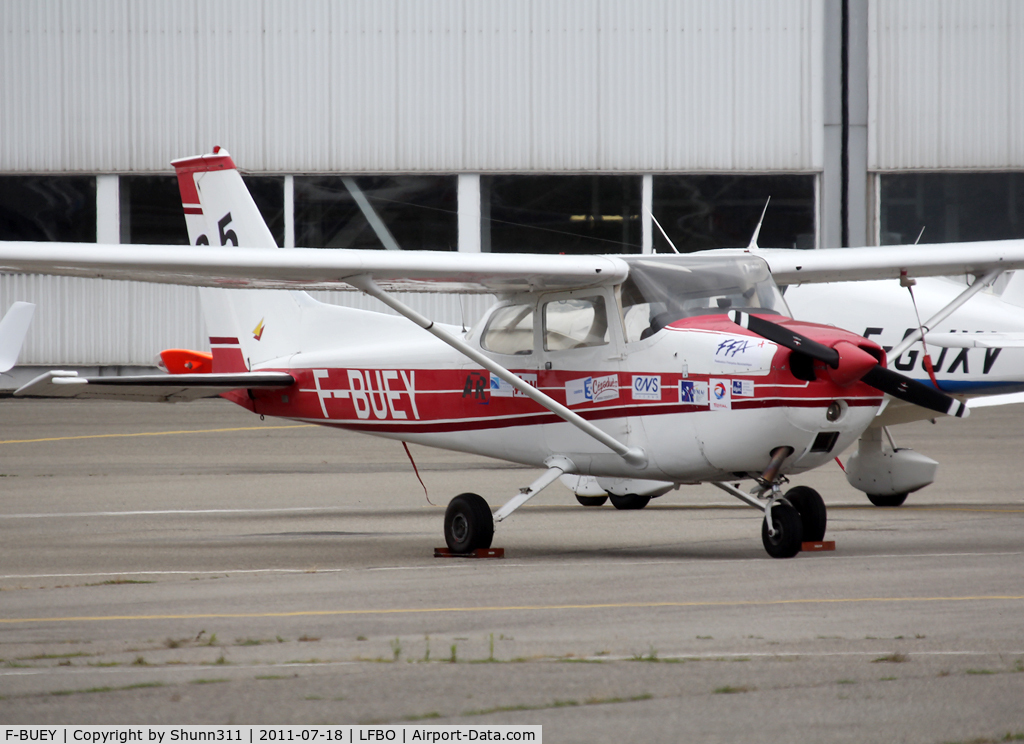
x=659, y=291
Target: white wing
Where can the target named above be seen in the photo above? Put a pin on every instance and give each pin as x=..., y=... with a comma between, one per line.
x=310, y=268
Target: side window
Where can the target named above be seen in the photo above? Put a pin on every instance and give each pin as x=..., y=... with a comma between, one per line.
x=575, y=323
x=509, y=330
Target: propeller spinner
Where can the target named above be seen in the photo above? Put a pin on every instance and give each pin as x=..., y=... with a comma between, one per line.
x=848, y=363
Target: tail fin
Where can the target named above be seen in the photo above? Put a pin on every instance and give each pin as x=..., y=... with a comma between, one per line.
x=245, y=327
x=13, y=329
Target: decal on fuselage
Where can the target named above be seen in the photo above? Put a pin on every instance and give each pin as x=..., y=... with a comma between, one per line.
x=373, y=392
x=743, y=352
x=591, y=390
x=958, y=359
x=693, y=391
x=501, y=389
x=646, y=387
x=721, y=394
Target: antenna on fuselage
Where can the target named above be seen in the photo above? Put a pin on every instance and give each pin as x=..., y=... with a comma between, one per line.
x=757, y=230
x=664, y=233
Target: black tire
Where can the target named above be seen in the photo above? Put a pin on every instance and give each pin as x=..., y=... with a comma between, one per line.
x=811, y=508
x=468, y=524
x=592, y=500
x=893, y=500
x=788, y=532
x=629, y=501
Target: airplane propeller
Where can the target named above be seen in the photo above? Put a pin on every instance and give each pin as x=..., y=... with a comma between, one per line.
x=848, y=363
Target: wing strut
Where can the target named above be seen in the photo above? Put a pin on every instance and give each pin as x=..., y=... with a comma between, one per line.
x=632, y=455
x=979, y=284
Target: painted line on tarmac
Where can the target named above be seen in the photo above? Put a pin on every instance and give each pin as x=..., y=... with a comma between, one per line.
x=154, y=433
x=165, y=512
x=519, y=608
x=456, y=565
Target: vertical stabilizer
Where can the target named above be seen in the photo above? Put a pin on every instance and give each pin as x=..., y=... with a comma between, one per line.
x=13, y=329
x=246, y=327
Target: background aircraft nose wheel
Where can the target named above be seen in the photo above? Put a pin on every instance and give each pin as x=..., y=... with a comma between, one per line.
x=468, y=524
x=811, y=508
x=591, y=500
x=785, y=543
x=629, y=501
x=892, y=500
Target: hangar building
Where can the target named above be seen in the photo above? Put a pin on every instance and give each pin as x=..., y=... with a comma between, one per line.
x=496, y=125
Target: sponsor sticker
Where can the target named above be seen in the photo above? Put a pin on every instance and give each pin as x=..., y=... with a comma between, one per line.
x=743, y=388
x=743, y=352
x=694, y=392
x=501, y=389
x=591, y=390
x=720, y=398
x=646, y=387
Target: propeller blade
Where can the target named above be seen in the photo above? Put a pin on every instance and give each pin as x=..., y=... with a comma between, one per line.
x=878, y=377
x=785, y=337
x=912, y=391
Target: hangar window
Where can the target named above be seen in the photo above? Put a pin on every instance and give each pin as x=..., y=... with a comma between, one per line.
x=951, y=207
x=560, y=214
x=151, y=208
x=37, y=208
x=410, y=212
x=704, y=212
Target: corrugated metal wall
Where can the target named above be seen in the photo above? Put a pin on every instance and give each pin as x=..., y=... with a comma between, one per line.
x=946, y=84
x=86, y=322
x=412, y=85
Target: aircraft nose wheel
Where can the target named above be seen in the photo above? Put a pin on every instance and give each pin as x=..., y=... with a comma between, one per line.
x=468, y=524
x=786, y=541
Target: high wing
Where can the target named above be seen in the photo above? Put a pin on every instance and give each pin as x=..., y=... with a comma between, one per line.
x=791, y=266
x=150, y=388
x=430, y=271
x=310, y=268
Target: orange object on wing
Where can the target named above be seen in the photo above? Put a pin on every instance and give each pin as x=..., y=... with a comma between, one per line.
x=183, y=361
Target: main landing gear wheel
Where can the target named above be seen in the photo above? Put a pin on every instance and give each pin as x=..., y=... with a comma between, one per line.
x=785, y=543
x=811, y=509
x=893, y=500
x=468, y=524
x=591, y=500
x=629, y=501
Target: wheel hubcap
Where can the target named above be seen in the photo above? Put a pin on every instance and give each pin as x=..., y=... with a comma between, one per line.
x=460, y=527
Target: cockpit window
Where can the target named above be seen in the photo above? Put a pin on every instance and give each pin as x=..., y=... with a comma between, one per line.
x=509, y=330
x=575, y=323
x=662, y=291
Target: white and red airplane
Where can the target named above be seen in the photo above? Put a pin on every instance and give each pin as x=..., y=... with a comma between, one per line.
x=627, y=374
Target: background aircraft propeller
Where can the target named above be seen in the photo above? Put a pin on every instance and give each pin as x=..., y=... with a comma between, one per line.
x=848, y=363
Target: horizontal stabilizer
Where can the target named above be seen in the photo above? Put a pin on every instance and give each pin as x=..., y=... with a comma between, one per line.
x=976, y=340
x=153, y=388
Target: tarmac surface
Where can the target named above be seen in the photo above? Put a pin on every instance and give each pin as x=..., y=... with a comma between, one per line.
x=191, y=564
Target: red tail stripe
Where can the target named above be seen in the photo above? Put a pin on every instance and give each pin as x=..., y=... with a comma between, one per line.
x=223, y=340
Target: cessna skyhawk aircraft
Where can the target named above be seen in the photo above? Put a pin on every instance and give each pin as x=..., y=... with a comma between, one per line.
x=637, y=373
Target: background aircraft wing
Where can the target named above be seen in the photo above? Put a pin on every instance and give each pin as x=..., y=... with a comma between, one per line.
x=790, y=266
x=152, y=388
x=310, y=268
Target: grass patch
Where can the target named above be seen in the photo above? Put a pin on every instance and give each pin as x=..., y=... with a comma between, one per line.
x=979, y=671
x=41, y=657
x=887, y=679
x=423, y=716
x=215, y=681
x=895, y=658
x=276, y=676
x=847, y=682
x=90, y=690
x=117, y=582
x=730, y=690
x=307, y=639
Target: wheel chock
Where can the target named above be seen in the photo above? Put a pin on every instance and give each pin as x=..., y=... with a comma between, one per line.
x=478, y=553
x=815, y=547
